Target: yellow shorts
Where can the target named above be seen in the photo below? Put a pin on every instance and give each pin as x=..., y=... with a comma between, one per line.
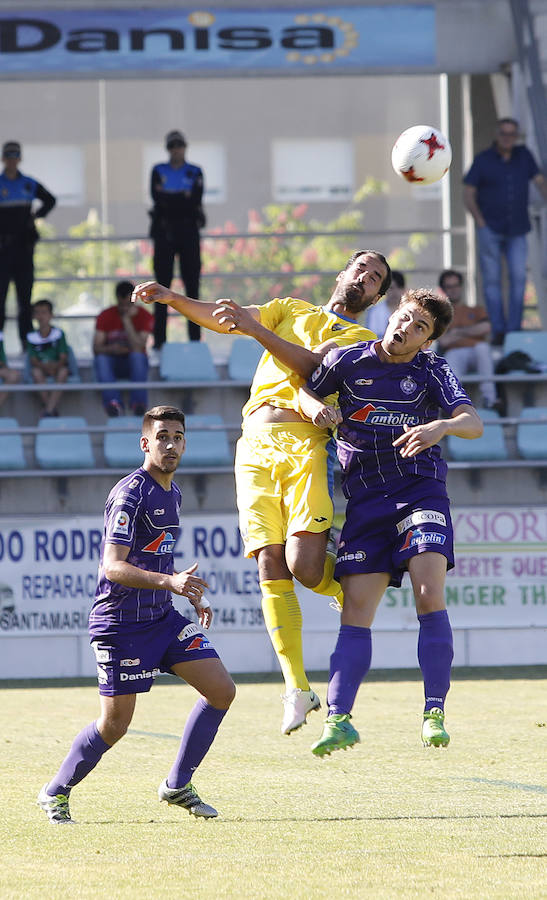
x=281, y=483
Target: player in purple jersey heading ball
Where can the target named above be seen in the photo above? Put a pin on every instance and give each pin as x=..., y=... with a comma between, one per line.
x=135, y=630
x=397, y=516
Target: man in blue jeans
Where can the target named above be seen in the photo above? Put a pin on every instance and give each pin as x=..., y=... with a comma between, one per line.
x=119, y=345
x=496, y=195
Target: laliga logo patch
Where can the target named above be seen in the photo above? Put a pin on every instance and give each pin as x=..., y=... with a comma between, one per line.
x=121, y=525
x=164, y=543
x=408, y=385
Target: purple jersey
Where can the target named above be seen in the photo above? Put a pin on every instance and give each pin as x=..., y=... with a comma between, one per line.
x=143, y=516
x=376, y=399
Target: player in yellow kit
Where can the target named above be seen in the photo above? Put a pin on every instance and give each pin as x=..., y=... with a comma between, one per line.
x=283, y=497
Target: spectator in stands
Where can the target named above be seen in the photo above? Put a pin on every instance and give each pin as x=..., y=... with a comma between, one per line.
x=496, y=195
x=18, y=234
x=119, y=345
x=47, y=355
x=465, y=343
x=7, y=375
x=378, y=315
x=177, y=215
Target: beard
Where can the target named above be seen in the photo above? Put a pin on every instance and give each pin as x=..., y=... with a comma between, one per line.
x=352, y=296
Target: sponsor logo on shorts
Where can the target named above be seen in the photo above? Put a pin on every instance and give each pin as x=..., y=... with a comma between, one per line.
x=408, y=385
x=188, y=631
x=414, y=538
x=379, y=415
x=138, y=676
x=102, y=655
x=358, y=556
x=199, y=643
x=130, y=662
x=121, y=523
x=102, y=675
x=419, y=517
x=164, y=543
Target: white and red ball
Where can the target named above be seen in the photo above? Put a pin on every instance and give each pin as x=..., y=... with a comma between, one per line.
x=421, y=154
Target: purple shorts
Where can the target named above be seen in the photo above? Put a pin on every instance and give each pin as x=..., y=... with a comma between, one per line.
x=128, y=662
x=383, y=531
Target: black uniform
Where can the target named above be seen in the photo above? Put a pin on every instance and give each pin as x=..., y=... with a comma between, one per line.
x=177, y=217
x=18, y=237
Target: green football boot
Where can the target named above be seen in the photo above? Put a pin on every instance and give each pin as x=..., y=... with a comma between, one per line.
x=433, y=730
x=338, y=734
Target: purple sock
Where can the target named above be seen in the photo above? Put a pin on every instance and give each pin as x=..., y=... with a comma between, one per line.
x=349, y=664
x=199, y=733
x=86, y=751
x=435, y=654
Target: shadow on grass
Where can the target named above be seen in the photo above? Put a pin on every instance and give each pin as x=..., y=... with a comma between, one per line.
x=459, y=673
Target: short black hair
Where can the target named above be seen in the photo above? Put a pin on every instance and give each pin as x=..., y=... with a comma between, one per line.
x=449, y=273
x=43, y=302
x=439, y=308
x=398, y=278
x=123, y=288
x=387, y=280
x=161, y=414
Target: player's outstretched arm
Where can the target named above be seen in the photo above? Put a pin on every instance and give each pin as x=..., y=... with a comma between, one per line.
x=237, y=320
x=197, y=311
x=465, y=422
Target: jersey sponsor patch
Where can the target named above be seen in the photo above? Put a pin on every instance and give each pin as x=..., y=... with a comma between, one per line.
x=139, y=676
x=164, y=543
x=363, y=381
x=130, y=662
x=419, y=517
x=414, y=538
x=188, y=631
x=121, y=522
x=200, y=642
x=358, y=556
x=379, y=415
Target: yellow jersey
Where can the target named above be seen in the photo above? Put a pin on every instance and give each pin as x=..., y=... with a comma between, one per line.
x=300, y=323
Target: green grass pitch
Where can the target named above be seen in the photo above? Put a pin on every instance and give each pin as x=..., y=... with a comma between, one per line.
x=387, y=819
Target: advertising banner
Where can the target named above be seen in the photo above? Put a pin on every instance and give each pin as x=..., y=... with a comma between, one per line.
x=48, y=570
x=101, y=42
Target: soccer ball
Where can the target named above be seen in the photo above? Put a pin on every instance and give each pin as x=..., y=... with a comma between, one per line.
x=421, y=154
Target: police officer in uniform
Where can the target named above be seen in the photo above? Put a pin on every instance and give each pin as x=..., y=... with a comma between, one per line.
x=177, y=216
x=18, y=234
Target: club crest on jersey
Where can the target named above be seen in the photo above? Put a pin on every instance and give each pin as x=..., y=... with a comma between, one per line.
x=416, y=537
x=408, y=385
x=379, y=415
x=164, y=543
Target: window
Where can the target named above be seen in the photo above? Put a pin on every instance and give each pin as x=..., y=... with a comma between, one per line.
x=59, y=167
x=209, y=156
x=308, y=170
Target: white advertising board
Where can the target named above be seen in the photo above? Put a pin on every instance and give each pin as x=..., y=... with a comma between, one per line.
x=48, y=570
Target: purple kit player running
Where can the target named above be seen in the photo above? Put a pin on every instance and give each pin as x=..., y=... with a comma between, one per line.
x=137, y=633
x=398, y=515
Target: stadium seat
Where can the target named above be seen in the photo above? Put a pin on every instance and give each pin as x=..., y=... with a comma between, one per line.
x=532, y=437
x=205, y=448
x=490, y=446
x=12, y=455
x=66, y=448
x=534, y=343
x=190, y=361
x=121, y=442
x=243, y=360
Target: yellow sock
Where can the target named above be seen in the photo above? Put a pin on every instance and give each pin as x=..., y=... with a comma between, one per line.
x=283, y=619
x=328, y=584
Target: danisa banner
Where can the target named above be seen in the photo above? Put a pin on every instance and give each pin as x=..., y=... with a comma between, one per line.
x=48, y=571
x=209, y=41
